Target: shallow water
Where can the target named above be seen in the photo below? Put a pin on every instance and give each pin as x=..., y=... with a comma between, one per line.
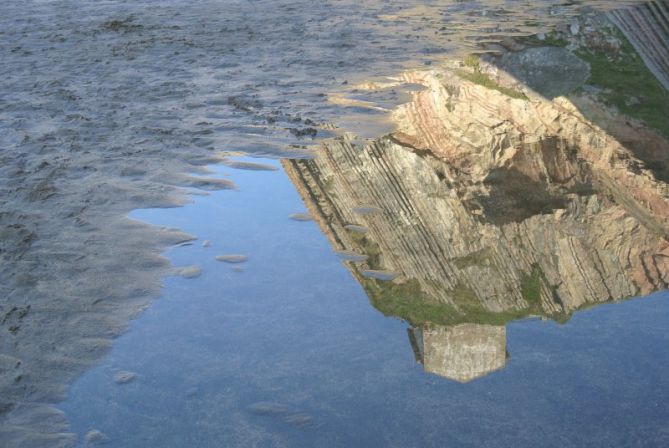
x=288, y=352
x=355, y=296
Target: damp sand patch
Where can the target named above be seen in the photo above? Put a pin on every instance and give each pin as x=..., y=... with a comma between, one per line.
x=301, y=217
x=232, y=258
x=193, y=271
x=249, y=166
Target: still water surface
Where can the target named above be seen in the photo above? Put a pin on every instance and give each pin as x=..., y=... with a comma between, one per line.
x=285, y=350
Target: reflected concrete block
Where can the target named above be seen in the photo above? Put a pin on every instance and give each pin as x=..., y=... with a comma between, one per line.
x=461, y=353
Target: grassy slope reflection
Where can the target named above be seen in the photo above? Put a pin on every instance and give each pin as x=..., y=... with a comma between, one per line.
x=618, y=74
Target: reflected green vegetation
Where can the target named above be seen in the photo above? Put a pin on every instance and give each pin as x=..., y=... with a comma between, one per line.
x=474, y=74
x=621, y=76
x=628, y=84
x=369, y=248
x=409, y=302
x=530, y=285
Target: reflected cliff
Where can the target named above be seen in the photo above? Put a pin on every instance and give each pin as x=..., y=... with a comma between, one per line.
x=499, y=197
x=453, y=255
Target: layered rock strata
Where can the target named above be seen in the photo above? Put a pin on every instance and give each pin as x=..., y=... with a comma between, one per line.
x=489, y=204
x=646, y=26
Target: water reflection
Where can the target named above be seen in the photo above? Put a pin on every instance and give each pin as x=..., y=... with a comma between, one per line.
x=508, y=189
x=461, y=352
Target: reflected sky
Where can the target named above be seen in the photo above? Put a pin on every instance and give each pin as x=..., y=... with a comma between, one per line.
x=284, y=350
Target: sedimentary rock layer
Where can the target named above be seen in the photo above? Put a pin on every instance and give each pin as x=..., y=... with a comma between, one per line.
x=646, y=26
x=511, y=204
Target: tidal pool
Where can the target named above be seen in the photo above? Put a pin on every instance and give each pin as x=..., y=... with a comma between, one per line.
x=287, y=351
x=409, y=210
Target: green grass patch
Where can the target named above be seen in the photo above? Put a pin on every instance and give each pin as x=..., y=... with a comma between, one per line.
x=473, y=62
x=408, y=302
x=486, y=81
x=629, y=85
x=530, y=286
x=475, y=75
x=367, y=247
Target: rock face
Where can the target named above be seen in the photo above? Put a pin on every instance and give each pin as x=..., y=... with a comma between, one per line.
x=647, y=28
x=521, y=247
x=480, y=130
x=489, y=206
x=550, y=71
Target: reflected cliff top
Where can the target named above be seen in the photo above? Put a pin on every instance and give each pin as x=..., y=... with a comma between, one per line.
x=527, y=181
